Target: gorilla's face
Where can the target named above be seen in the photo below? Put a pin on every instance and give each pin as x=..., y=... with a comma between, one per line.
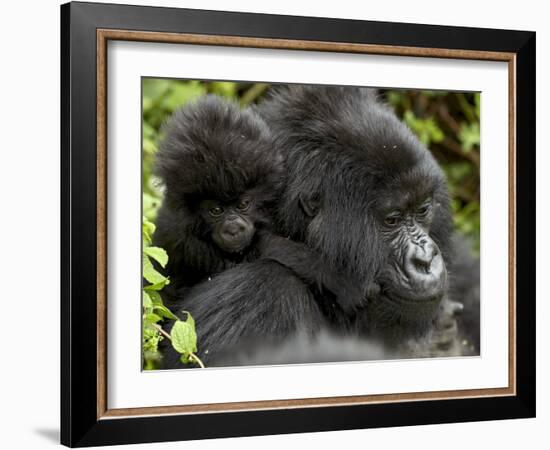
x=414, y=275
x=230, y=225
x=388, y=233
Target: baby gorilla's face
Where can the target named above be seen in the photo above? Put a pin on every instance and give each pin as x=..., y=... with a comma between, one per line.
x=230, y=223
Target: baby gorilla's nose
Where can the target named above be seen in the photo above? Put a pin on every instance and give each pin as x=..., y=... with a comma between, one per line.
x=234, y=234
x=233, y=229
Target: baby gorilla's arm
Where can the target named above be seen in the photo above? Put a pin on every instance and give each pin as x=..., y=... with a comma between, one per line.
x=309, y=266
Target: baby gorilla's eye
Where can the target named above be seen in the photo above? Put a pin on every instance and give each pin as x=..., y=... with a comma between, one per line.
x=216, y=211
x=244, y=204
x=392, y=219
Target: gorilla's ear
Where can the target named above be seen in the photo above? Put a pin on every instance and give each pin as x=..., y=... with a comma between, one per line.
x=310, y=203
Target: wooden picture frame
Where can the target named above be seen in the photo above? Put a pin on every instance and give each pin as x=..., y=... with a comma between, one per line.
x=85, y=417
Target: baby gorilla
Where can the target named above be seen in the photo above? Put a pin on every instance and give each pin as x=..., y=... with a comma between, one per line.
x=222, y=178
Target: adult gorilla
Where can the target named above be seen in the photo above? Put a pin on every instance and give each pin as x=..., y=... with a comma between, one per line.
x=364, y=193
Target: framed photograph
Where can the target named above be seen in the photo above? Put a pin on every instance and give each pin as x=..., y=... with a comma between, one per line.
x=276, y=224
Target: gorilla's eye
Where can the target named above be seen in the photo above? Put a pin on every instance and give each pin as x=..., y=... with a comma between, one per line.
x=216, y=211
x=392, y=219
x=423, y=210
x=244, y=204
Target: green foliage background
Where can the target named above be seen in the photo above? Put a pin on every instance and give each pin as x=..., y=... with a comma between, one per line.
x=446, y=122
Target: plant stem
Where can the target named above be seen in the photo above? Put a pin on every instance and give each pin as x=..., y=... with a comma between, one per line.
x=197, y=360
x=161, y=331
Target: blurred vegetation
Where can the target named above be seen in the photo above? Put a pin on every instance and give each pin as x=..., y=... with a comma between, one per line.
x=446, y=122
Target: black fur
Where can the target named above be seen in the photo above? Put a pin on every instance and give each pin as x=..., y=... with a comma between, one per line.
x=254, y=303
x=351, y=152
x=346, y=157
x=211, y=150
x=215, y=151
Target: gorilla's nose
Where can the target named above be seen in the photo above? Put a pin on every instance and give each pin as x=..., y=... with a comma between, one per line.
x=425, y=268
x=423, y=256
x=232, y=229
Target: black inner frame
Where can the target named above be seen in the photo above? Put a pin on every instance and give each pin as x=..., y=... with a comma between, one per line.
x=79, y=424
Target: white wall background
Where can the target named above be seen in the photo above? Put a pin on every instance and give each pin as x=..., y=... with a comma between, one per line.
x=29, y=157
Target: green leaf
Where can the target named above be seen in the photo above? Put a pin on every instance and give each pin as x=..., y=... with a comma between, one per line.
x=155, y=297
x=152, y=318
x=147, y=228
x=163, y=311
x=158, y=254
x=184, y=337
x=149, y=272
x=147, y=302
x=151, y=338
x=156, y=286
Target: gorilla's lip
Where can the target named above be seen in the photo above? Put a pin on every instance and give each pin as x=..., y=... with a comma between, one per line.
x=235, y=247
x=412, y=298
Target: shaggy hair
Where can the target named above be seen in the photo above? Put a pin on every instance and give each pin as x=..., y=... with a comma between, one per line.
x=350, y=151
x=214, y=150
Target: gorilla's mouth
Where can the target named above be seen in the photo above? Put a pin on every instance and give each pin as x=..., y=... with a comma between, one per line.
x=404, y=309
x=416, y=301
x=393, y=306
x=415, y=297
x=234, y=246
x=233, y=243
x=410, y=299
x=413, y=289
